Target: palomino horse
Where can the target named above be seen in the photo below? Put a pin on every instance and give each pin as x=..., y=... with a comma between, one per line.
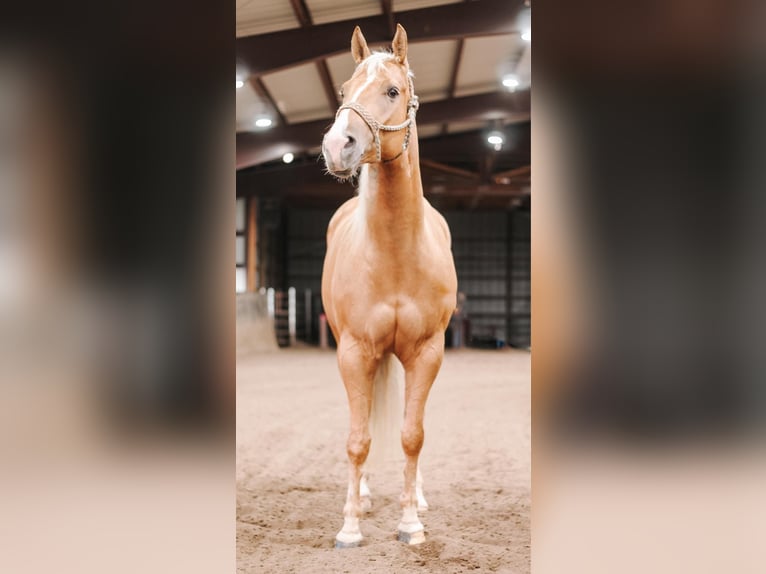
x=388, y=284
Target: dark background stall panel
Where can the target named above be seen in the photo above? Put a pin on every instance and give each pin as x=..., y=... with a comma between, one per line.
x=492, y=258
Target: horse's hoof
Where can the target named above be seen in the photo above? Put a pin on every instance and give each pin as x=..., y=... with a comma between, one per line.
x=412, y=537
x=339, y=544
x=348, y=539
x=366, y=503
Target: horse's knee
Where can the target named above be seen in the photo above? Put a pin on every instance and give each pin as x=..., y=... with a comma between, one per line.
x=358, y=446
x=412, y=439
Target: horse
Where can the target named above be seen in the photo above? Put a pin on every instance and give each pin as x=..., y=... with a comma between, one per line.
x=388, y=283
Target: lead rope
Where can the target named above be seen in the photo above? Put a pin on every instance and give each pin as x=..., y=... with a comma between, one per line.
x=375, y=126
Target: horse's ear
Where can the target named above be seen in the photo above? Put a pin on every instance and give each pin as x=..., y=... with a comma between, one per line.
x=359, y=47
x=400, y=44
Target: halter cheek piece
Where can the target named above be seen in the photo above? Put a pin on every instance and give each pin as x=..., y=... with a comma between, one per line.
x=376, y=127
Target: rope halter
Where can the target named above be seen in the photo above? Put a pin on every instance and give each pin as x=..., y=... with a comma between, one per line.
x=376, y=127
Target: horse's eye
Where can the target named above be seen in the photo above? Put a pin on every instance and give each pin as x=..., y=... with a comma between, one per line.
x=392, y=92
x=340, y=92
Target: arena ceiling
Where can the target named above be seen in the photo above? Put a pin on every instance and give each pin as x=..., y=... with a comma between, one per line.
x=292, y=56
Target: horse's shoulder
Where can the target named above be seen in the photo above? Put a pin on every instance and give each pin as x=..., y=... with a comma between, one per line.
x=438, y=220
x=341, y=215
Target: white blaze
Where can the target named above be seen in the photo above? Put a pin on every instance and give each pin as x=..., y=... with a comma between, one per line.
x=373, y=64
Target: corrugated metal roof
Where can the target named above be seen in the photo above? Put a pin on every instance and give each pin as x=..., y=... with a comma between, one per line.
x=402, y=5
x=298, y=93
x=263, y=16
x=432, y=63
x=341, y=68
x=484, y=62
x=323, y=11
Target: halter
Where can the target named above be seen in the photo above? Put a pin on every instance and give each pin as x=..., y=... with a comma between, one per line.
x=376, y=127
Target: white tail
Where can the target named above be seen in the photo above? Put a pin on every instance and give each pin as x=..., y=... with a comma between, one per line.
x=387, y=413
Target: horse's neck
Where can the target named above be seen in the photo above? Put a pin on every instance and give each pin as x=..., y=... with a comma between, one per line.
x=391, y=197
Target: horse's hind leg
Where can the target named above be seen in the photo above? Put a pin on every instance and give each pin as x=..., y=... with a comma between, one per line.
x=357, y=371
x=420, y=374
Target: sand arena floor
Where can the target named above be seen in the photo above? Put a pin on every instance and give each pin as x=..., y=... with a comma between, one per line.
x=291, y=469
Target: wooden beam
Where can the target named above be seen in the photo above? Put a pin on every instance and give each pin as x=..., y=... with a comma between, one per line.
x=301, y=12
x=449, y=169
x=254, y=148
x=486, y=165
x=493, y=191
x=308, y=180
x=524, y=170
x=467, y=148
x=388, y=12
x=303, y=16
x=263, y=92
x=329, y=90
x=456, y=67
x=279, y=50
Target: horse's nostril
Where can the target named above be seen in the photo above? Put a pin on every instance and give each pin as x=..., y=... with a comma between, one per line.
x=351, y=141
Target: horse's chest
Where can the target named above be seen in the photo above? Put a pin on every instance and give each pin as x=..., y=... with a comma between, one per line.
x=383, y=325
x=390, y=279
x=388, y=295
x=384, y=306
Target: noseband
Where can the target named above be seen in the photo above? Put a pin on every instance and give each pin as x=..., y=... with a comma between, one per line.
x=376, y=127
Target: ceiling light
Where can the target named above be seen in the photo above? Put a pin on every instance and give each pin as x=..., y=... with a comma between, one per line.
x=239, y=83
x=496, y=139
x=263, y=122
x=526, y=35
x=511, y=82
x=288, y=157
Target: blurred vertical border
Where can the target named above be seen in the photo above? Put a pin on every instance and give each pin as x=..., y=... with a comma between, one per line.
x=117, y=334
x=116, y=293
x=648, y=308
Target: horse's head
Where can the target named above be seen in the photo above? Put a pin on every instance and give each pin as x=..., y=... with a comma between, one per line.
x=373, y=123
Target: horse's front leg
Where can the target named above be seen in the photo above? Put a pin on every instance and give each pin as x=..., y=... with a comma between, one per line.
x=422, y=503
x=357, y=369
x=420, y=372
x=364, y=492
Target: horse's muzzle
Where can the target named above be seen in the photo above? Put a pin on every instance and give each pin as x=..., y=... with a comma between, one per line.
x=341, y=152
